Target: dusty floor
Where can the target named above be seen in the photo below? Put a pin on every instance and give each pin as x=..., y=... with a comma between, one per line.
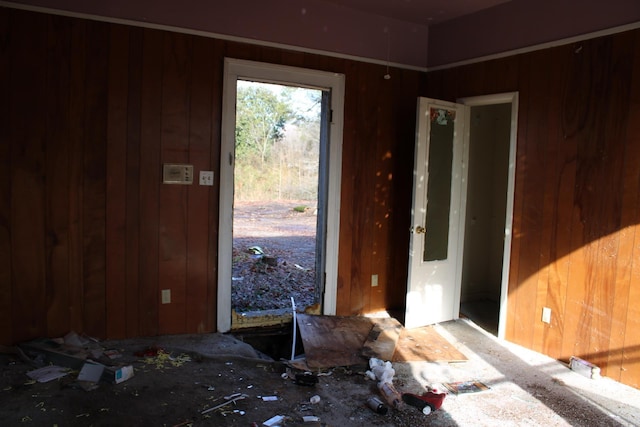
x=525, y=389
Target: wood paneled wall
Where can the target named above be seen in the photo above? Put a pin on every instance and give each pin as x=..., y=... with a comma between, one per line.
x=576, y=237
x=89, y=236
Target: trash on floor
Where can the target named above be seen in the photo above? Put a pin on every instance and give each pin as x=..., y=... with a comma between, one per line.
x=584, y=368
x=426, y=402
x=48, y=373
x=462, y=387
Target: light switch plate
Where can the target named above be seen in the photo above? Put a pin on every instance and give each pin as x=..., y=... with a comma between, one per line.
x=206, y=177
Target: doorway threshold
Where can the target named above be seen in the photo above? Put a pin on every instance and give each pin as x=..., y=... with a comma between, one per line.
x=262, y=318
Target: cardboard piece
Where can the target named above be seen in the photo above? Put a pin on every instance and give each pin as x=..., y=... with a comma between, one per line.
x=48, y=373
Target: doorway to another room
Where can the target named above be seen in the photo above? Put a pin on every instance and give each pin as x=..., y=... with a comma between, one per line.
x=489, y=208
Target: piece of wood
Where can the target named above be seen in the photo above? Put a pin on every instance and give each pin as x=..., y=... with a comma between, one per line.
x=382, y=339
x=333, y=340
x=425, y=344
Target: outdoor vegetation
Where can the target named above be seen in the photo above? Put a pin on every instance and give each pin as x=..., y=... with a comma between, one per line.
x=277, y=142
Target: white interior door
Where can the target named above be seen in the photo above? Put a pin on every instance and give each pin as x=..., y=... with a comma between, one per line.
x=435, y=253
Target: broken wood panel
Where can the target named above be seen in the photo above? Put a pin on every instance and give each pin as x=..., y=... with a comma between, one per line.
x=425, y=344
x=331, y=341
x=382, y=339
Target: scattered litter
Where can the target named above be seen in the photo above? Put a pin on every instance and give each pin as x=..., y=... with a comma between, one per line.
x=273, y=421
x=462, y=387
x=390, y=394
x=48, y=373
x=377, y=406
x=91, y=372
x=315, y=399
x=310, y=419
x=299, y=267
x=227, y=400
x=269, y=398
x=427, y=402
x=306, y=379
x=584, y=368
x=163, y=360
x=112, y=354
x=381, y=370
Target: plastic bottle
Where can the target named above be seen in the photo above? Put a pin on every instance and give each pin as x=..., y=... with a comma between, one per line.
x=390, y=394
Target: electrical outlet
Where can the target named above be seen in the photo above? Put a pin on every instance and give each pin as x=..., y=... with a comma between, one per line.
x=546, y=314
x=374, y=280
x=206, y=177
x=166, y=296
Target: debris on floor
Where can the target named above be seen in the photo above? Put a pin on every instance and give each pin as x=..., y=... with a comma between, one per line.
x=462, y=387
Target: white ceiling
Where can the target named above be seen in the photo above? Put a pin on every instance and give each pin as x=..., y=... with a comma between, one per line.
x=423, y=12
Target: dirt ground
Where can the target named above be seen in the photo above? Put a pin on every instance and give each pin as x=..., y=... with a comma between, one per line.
x=286, y=238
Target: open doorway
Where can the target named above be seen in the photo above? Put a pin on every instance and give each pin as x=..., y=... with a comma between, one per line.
x=316, y=204
x=489, y=208
x=280, y=142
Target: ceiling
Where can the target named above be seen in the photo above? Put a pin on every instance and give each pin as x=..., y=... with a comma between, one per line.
x=423, y=12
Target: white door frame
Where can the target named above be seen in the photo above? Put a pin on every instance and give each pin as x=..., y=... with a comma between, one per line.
x=502, y=98
x=235, y=69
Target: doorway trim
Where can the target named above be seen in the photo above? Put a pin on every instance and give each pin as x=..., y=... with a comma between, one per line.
x=501, y=98
x=235, y=69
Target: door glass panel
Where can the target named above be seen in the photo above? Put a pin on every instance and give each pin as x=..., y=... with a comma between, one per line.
x=439, y=184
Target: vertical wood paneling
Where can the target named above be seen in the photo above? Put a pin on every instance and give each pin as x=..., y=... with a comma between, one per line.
x=347, y=196
x=150, y=176
x=200, y=144
x=116, y=207
x=174, y=198
x=27, y=176
x=76, y=193
x=89, y=236
x=133, y=197
x=560, y=210
x=382, y=178
x=6, y=323
x=57, y=175
x=624, y=340
x=576, y=204
x=94, y=179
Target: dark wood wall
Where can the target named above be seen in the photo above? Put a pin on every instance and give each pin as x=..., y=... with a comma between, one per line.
x=576, y=238
x=89, y=112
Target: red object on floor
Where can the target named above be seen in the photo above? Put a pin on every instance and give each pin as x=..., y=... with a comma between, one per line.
x=433, y=400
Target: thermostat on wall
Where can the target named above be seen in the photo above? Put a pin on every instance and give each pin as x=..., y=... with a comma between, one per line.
x=173, y=173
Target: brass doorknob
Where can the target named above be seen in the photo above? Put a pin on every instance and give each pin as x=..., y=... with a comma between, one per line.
x=420, y=229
